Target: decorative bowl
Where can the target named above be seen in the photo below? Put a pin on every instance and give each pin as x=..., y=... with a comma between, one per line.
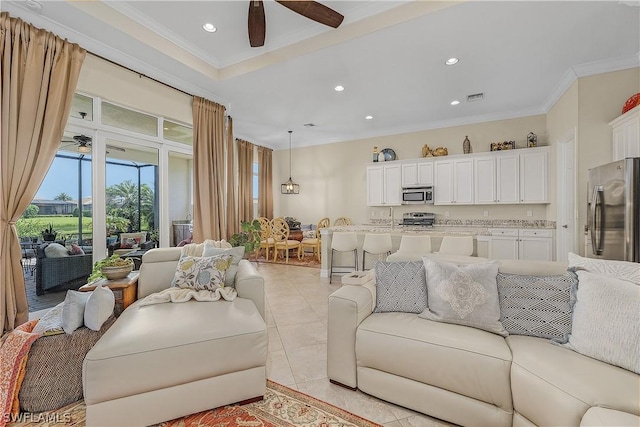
x=119, y=272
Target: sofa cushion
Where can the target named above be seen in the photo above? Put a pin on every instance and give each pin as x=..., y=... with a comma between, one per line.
x=191, y=341
x=465, y=295
x=237, y=253
x=400, y=286
x=201, y=273
x=606, y=320
x=597, y=417
x=622, y=270
x=55, y=250
x=464, y=360
x=538, y=306
x=555, y=386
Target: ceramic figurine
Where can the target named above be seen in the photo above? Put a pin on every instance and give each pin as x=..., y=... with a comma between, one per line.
x=532, y=140
x=426, y=151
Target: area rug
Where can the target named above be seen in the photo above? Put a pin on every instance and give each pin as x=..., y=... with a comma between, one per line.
x=281, y=407
x=307, y=261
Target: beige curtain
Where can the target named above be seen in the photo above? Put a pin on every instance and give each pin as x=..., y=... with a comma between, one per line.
x=209, y=171
x=265, y=182
x=245, y=180
x=232, y=216
x=38, y=76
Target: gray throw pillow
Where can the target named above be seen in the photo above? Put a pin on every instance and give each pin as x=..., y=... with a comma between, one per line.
x=606, y=320
x=236, y=252
x=537, y=306
x=623, y=270
x=400, y=287
x=465, y=295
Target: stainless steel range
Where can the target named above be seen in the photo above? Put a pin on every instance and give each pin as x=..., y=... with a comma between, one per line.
x=423, y=219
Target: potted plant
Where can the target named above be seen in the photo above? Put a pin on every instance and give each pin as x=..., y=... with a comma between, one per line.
x=111, y=268
x=49, y=234
x=249, y=237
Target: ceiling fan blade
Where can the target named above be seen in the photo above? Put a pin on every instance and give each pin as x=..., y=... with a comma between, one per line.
x=256, y=23
x=314, y=11
x=113, y=147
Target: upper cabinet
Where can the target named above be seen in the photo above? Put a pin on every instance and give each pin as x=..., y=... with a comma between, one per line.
x=626, y=134
x=534, y=176
x=418, y=174
x=384, y=185
x=453, y=182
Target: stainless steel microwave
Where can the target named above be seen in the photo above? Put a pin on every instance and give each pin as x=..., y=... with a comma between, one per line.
x=417, y=195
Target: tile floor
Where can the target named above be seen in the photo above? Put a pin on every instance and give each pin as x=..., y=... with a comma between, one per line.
x=297, y=312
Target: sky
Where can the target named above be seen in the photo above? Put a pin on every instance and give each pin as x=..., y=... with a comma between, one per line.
x=63, y=178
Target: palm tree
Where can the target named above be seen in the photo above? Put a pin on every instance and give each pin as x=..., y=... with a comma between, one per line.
x=64, y=197
x=122, y=201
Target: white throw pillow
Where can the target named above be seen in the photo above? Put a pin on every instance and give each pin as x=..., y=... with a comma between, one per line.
x=606, y=320
x=73, y=310
x=623, y=270
x=465, y=295
x=99, y=307
x=55, y=250
x=51, y=322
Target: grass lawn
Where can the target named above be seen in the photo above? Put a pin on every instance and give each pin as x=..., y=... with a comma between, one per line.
x=64, y=225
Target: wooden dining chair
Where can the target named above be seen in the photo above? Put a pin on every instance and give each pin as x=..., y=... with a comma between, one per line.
x=342, y=220
x=266, y=240
x=314, y=242
x=280, y=234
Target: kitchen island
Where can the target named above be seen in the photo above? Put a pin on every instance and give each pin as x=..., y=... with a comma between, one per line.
x=480, y=230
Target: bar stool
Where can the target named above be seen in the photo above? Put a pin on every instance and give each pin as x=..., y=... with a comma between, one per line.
x=376, y=244
x=412, y=248
x=343, y=242
x=459, y=245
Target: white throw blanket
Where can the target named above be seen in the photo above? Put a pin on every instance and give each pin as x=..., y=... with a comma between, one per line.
x=185, y=294
x=196, y=249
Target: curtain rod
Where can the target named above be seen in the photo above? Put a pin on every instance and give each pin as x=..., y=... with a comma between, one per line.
x=138, y=73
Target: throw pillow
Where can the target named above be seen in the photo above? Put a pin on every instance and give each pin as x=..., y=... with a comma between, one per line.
x=99, y=307
x=465, y=295
x=202, y=273
x=51, y=322
x=237, y=253
x=73, y=310
x=55, y=250
x=400, y=287
x=538, y=306
x=76, y=250
x=606, y=320
x=623, y=270
x=130, y=243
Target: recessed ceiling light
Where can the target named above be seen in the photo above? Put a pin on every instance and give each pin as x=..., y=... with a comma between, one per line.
x=210, y=27
x=339, y=88
x=451, y=61
x=456, y=102
x=368, y=117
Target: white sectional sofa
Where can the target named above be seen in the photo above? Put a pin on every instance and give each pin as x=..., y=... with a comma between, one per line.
x=470, y=376
x=160, y=362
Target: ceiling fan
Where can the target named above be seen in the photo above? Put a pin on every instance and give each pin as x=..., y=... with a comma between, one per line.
x=84, y=144
x=309, y=9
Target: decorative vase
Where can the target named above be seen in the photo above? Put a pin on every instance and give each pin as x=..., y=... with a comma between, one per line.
x=532, y=140
x=466, y=145
x=375, y=154
x=381, y=156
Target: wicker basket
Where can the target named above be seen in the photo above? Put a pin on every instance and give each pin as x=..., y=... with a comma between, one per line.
x=119, y=272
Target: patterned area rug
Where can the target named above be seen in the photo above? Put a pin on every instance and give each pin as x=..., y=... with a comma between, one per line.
x=281, y=407
x=307, y=260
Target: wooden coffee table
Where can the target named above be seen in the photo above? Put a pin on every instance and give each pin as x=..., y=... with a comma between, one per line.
x=125, y=290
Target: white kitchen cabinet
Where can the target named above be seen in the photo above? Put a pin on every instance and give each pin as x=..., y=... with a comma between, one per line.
x=484, y=182
x=534, y=176
x=383, y=185
x=525, y=244
x=508, y=179
x=453, y=182
x=626, y=134
x=419, y=174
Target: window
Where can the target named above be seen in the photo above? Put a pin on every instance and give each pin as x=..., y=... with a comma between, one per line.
x=124, y=118
x=176, y=132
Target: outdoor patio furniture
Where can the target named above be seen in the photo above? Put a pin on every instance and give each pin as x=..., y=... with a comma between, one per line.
x=71, y=271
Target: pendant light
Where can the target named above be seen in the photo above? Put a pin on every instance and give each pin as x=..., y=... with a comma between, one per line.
x=290, y=187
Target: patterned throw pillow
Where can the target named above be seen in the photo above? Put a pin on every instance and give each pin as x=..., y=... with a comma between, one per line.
x=465, y=295
x=130, y=243
x=538, y=306
x=623, y=270
x=237, y=253
x=400, y=287
x=76, y=250
x=202, y=273
x=606, y=320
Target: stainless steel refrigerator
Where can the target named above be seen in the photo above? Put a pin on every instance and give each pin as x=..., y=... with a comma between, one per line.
x=613, y=217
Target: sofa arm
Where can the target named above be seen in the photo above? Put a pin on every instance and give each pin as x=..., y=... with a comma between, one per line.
x=250, y=284
x=348, y=307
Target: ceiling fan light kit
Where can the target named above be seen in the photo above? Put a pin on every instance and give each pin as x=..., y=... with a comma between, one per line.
x=290, y=187
x=309, y=9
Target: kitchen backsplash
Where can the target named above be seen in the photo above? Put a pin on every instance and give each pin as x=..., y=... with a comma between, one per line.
x=487, y=223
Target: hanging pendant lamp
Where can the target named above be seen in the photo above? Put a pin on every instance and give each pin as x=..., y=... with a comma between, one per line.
x=290, y=187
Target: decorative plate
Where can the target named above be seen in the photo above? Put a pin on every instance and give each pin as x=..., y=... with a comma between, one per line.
x=389, y=154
